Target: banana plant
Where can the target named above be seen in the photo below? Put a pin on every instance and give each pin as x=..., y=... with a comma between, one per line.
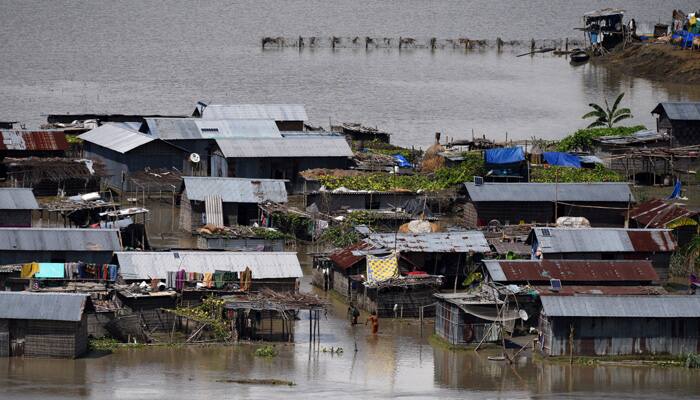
x=608, y=116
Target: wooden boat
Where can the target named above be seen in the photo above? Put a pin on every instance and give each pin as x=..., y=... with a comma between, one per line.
x=579, y=57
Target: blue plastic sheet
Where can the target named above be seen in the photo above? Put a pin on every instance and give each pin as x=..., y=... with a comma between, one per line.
x=562, y=159
x=50, y=270
x=508, y=155
x=676, y=191
x=402, y=161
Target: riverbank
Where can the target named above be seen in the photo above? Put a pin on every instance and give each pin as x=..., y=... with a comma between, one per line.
x=656, y=62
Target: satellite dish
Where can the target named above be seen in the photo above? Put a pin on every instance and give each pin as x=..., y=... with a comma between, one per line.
x=194, y=157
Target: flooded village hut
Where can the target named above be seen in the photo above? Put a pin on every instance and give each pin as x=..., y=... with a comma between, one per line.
x=664, y=214
x=604, y=29
x=287, y=117
x=16, y=206
x=24, y=143
x=449, y=254
x=680, y=121
x=528, y=280
x=270, y=315
x=43, y=324
x=58, y=245
x=463, y=319
x=619, y=325
x=655, y=245
x=279, y=271
x=603, y=204
x=226, y=201
x=505, y=165
x=284, y=157
x=54, y=176
x=124, y=151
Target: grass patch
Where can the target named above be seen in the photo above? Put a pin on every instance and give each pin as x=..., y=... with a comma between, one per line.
x=266, y=352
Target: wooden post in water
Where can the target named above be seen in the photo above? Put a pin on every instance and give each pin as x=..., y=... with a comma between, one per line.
x=532, y=44
x=499, y=43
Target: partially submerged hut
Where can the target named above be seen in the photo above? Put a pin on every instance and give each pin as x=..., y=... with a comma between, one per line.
x=603, y=204
x=16, y=206
x=655, y=245
x=58, y=245
x=463, y=319
x=619, y=325
x=25, y=143
x=278, y=271
x=43, y=324
x=226, y=201
x=54, y=176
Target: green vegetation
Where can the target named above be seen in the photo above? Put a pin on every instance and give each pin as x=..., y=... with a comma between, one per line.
x=443, y=178
x=553, y=174
x=344, y=234
x=608, y=116
x=692, y=361
x=268, y=234
x=104, y=344
x=211, y=313
x=266, y=351
x=292, y=224
x=582, y=139
x=388, y=149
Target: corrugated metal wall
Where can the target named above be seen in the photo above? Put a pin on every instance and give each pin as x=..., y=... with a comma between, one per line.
x=451, y=325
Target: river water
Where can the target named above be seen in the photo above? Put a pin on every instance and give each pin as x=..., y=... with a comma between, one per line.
x=399, y=362
x=162, y=56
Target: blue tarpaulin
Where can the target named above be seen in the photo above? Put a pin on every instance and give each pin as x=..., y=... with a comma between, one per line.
x=676, y=191
x=401, y=161
x=561, y=159
x=50, y=270
x=508, y=155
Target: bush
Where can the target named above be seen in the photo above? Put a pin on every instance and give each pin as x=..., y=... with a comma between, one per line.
x=582, y=139
x=551, y=174
x=266, y=351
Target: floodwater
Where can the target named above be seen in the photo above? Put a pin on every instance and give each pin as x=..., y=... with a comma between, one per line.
x=399, y=362
x=161, y=56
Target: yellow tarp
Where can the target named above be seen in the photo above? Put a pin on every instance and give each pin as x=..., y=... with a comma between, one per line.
x=382, y=268
x=29, y=270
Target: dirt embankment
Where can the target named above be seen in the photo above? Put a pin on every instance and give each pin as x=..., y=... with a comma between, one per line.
x=657, y=62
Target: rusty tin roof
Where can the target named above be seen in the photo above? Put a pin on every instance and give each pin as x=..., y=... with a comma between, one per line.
x=571, y=270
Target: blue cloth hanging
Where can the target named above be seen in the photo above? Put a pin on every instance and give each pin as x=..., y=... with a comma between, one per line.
x=676, y=191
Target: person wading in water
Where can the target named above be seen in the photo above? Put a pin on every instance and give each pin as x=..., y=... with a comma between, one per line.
x=353, y=314
x=375, y=322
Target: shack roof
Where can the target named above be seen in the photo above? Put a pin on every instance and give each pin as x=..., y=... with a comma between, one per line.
x=59, y=239
x=640, y=137
x=20, y=140
x=571, y=271
x=235, y=190
x=549, y=192
x=602, y=240
x=116, y=137
x=605, y=12
x=681, y=111
x=658, y=213
x=195, y=128
x=435, y=242
x=265, y=265
x=43, y=306
x=344, y=258
x=622, y=306
x=17, y=199
x=294, y=146
x=607, y=289
x=275, y=112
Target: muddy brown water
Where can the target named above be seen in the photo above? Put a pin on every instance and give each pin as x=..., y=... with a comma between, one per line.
x=396, y=363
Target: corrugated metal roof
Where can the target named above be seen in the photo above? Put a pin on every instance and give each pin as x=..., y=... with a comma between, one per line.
x=602, y=240
x=571, y=270
x=658, y=213
x=195, y=128
x=525, y=192
x=436, y=242
x=345, y=259
x=616, y=290
x=236, y=190
x=622, y=306
x=681, y=111
x=117, y=138
x=33, y=140
x=296, y=146
x=265, y=265
x=17, y=199
x=276, y=112
x=42, y=306
x=59, y=239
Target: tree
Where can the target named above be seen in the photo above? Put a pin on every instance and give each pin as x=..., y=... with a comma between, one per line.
x=608, y=116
